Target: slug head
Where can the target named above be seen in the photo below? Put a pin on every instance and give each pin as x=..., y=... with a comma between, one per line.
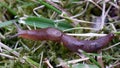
x=54, y=34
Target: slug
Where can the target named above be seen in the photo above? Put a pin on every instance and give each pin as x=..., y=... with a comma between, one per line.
x=41, y=34
x=70, y=42
x=89, y=46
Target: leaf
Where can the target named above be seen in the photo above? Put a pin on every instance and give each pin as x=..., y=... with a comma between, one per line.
x=42, y=22
x=6, y=23
x=85, y=66
x=39, y=22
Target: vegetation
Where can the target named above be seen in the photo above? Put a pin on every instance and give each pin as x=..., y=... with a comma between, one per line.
x=84, y=19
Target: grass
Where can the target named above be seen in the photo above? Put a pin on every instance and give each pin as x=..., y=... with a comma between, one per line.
x=74, y=17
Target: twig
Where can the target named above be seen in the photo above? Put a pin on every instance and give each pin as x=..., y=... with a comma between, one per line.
x=1, y=49
x=34, y=10
x=41, y=58
x=100, y=21
x=99, y=1
x=112, y=46
x=112, y=66
x=87, y=34
x=58, y=7
x=82, y=21
x=8, y=56
x=18, y=27
x=103, y=15
x=81, y=12
x=95, y=4
x=99, y=59
x=39, y=46
x=53, y=15
x=63, y=63
x=1, y=36
x=77, y=60
x=79, y=28
x=106, y=13
x=114, y=4
x=9, y=49
x=114, y=29
x=48, y=63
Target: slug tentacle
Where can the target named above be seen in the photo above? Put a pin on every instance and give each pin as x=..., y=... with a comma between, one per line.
x=70, y=42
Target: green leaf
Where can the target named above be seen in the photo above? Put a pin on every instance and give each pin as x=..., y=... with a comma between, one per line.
x=42, y=22
x=85, y=66
x=39, y=22
x=6, y=23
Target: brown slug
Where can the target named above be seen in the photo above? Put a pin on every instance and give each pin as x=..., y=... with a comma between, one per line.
x=41, y=34
x=86, y=45
x=70, y=42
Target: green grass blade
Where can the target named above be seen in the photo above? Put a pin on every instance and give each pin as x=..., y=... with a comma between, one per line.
x=117, y=32
x=9, y=9
x=92, y=59
x=31, y=61
x=49, y=6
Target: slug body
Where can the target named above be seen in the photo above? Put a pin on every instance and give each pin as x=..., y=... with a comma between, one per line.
x=87, y=45
x=41, y=34
x=70, y=42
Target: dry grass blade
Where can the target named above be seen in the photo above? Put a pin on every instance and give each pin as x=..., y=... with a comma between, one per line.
x=9, y=49
x=8, y=56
